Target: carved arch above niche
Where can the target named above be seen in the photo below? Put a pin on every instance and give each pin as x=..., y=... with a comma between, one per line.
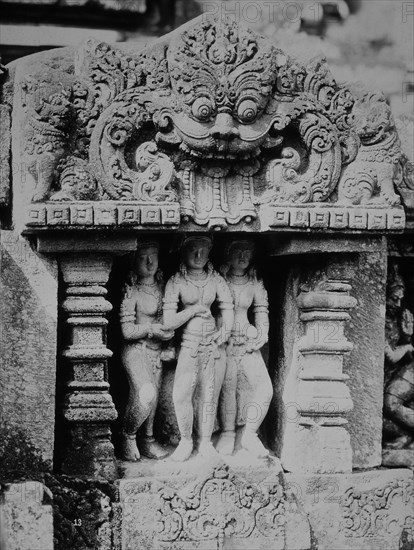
x=212, y=127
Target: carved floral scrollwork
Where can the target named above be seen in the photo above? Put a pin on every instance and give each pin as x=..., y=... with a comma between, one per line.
x=220, y=506
x=214, y=97
x=376, y=512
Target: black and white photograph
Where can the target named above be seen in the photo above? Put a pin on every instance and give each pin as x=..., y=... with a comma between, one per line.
x=207, y=275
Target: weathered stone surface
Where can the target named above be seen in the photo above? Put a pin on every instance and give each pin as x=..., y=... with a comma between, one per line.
x=84, y=513
x=213, y=507
x=372, y=510
x=26, y=518
x=365, y=364
x=316, y=440
x=28, y=304
x=5, y=146
x=398, y=458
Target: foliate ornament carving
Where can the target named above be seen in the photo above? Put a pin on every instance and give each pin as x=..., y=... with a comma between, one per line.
x=230, y=95
x=222, y=506
x=377, y=512
x=236, y=127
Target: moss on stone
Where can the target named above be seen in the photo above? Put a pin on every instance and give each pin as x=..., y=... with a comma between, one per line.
x=20, y=460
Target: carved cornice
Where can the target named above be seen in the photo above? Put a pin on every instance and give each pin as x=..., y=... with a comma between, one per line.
x=217, y=124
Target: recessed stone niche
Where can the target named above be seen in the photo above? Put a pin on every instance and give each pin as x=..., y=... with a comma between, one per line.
x=268, y=194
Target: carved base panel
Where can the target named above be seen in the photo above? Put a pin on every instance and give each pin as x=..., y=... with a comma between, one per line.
x=221, y=508
x=212, y=507
x=371, y=510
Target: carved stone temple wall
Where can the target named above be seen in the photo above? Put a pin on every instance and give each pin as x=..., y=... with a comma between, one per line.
x=216, y=132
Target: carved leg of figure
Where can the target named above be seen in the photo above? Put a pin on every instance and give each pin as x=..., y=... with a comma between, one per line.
x=228, y=409
x=212, y=373
x=142, y=395
x=149, y=447
x=183, y=390
x=129, y=449
x=260, y=394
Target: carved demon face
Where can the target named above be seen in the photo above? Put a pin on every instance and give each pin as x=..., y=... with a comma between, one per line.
x=373, y=119
x=222, y=77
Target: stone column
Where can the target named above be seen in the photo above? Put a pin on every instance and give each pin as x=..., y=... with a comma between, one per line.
x=88, y=405
x=316, y=441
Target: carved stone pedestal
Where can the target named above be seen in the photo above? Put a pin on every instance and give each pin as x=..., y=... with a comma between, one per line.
x=88, y=405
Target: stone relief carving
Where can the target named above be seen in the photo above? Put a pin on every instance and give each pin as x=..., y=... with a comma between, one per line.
x=47, y=138
x=76, y=181
x=398, y=427
x=219, y=121
x=201, y=363
x=247, y=381
x=142, y=353
x=221, y=506
x=379, y=163
x=376, y=513
x=220, y=372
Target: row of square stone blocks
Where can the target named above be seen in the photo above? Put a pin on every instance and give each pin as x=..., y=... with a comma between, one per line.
x=111, y=213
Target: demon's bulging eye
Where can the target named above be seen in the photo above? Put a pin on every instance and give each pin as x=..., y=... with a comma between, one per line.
x=202, y=108
x=247, y=110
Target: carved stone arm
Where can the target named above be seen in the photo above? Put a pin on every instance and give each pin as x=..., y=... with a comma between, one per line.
x=261, y=321
x=225, y=324
x=395, y=355
x=173, y=320
x=131, y=331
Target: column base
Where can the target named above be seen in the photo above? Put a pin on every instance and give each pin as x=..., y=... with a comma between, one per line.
x=317, y=450
x=90, y=453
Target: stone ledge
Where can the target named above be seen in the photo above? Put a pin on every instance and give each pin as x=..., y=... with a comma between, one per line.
x=128, y=215
x=333, y=216
x=84, y=214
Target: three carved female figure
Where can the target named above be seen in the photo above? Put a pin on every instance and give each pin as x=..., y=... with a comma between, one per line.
x=220, y=369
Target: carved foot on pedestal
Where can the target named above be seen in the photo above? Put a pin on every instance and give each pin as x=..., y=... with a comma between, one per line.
x=225, y=443
x=129, y=448
x=207, y=450
x=151, y=449
x=183, y=451
x=251, y=442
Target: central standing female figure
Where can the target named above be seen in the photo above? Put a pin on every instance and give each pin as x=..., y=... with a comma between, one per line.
x=201, y=365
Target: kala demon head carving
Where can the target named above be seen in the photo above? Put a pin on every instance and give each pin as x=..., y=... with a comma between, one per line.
x=222, y=77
